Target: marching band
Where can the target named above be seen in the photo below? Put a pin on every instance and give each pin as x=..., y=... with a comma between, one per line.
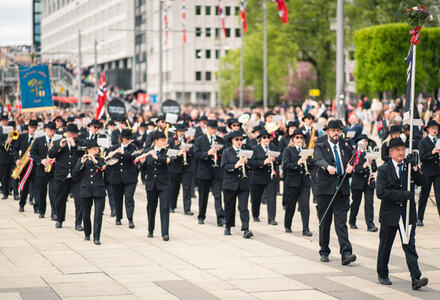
x=238, y=164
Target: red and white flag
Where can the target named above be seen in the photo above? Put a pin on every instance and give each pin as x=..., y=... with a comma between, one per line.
x=165, y=20
x=282, y=10
x=102, y=97
x=243, y=15
x=184, y=20
x=221, y=12
x=8, y=104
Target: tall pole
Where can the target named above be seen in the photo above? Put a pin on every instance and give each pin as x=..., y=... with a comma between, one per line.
x=183, y=73
x=133, y=65
x=265, y=56
x=160, y=53
x=79, y=70
x=241, y=70
x=96, y=68
x=340, y=78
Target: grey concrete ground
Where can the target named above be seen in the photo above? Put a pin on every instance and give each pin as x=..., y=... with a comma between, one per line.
x=38, y=261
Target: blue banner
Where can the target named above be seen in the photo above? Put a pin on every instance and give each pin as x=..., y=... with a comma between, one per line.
x=35, y=88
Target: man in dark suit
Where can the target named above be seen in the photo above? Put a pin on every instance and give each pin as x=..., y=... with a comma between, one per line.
x=161, y=126
x=332, y=159
x=140, y=136
x=93, y=131
x=59, y=124
x=117, y=132
x=394, y=132
x=6, y=146
x=209, y=159
x=66, y=153
x=27, y=178
x=236, y=185
x=157, y=184
x=41, y=160
x=392, y=189
x=429, y=156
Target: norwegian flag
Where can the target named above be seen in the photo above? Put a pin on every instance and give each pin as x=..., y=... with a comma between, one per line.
x=18, y=104
x=102, y=96
x=8, y=103
x=243, y=15
x=282, y=10
x=221, y=12
x=184, y=20
x=165, y=20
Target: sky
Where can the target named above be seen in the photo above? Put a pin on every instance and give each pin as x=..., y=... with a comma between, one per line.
x=15, y=22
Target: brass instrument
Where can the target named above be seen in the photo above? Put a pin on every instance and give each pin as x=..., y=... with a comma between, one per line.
x=215, y=157
x=24, y=160
x=48, y=168
x=312, y=139
x=14, y=135
x=129, y=126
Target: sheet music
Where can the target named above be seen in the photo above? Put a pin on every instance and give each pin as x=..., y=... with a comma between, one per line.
x=351, y=134
x=137, y=152
x=437, y=144
x=171, y=118
x=172, y=152
x=271, y=153
x=306, y=152
x=372, y=155
x=186, y=146
x=7, y=129
x=57, y=137
x=104, y=142
x=190, y=132
x=217, y=146
x=245, y=153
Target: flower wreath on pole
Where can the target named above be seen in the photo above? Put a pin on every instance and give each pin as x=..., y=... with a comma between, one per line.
x=416, y=17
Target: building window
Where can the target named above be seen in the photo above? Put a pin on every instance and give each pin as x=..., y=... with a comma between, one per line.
x=198, y=54
x=217, y=13
x=208, y=32
x=208, y=54
x=198, y=32
x=228, y=32
x=237, y=10
x=237, y=32
x=217, y=53
x=198, y=10
x=208, y=76
x=217, y=32
x=208, y=10
x=228, y=10
x=198, y=76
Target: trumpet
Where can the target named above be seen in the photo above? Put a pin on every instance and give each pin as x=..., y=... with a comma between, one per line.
x=185, y=162
x=14, y=135
x=243, y=170
x=215, y=156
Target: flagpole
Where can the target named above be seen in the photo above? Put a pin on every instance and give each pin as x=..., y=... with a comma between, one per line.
x=96, y=70
x=265, y=55
x=79, y=70
x=241, y=69
x=160, y=53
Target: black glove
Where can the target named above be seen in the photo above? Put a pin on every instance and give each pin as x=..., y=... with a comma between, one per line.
x=410, y=159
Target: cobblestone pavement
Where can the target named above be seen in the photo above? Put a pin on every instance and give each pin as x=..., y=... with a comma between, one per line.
x=38, y=261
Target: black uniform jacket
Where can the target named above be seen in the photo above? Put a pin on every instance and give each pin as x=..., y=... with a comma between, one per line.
x=176, y=165
x=65, y=160
x=156, y=171
x=430, y=162
x=92, y=177
x=124, y=171
x=359, y=178
x=205, y=169
x=38, y=153
x=233, y=178
x=294, y=174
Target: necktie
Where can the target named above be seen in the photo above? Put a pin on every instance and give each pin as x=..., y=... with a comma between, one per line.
x=308, y=131
x=30, y=140
x=434, y=140
x=266, y=149
x=400, y=169
x=338, y=161
x=299, y=150
x=212, y=140
x=237, y=151
x=157, y=152
x=92, y=137
x=50, y=141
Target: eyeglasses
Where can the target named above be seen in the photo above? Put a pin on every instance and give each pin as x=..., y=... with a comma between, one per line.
x=239, y=140
x=265, y=137
x=235, y=125
x=299, y=138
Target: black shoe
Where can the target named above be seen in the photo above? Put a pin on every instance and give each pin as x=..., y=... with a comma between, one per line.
x=87, y=238
x=372, y=229
x=31, y=202
x=130, y=224
x=112, y=214
x=419, y=223
x=97, y=242
x=307, y=233
x=419, y=283
x=5, y=197
x=227, y=231
x=201, y=221
x=118, y=222
x=21, y=209
x=36, y=211
x=16, y=197
x=256, y=219
x=324, y=258
x=384, y=280
x=247, y=234
x=79, y=228
x=150, y=235
x=272, y=222
x=288, y=230
x=221, y=222
x=346, y=260
x=54, y=217
x=58, y=225
x=189, y=213
x=41, y=216
x=172, y=210
x=166, y=238
x=353, y=226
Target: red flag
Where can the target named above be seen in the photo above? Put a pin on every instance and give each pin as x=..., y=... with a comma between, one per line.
x=282, y=10
x=184, y=20
x=165, y=20
x=221, y=12
x=102, y=96
x=243, y=15
x=8, y=104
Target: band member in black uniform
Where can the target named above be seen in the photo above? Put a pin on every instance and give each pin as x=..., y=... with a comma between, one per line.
x=42, y=165
x=140, y=136
x=161, y=126
x=297, y=181
x=27, y=179
x=93, y=132
x=236, y=185
x=284, y=142
x=6, y=146
x=394, y=132
x=429, y=156
x=233, y=125
x=180, y=170
x=332, y=159
x=90, y=169
x=157, y=184
x=59, y=125
x=13, y=183
x=363, y=182
x=123, y=176
x=262, y=180
x=115, y=135
x=392, y=180
x=209, y=159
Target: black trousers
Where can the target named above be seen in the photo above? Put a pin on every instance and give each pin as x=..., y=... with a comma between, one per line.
x=258, y=192
x=300, y=195
x=186, y=180
x=338, y=210
x=386, y=236
x=97, y=218
x=52, y=197
x=111, y=196
x=13, y=184
x=356, y=197
x=28, y=188
x=204, y=186
x=314, y=183
x=424, y=194
x=120, y=191
x=63, y=188
x=5, y=169
x=230, y=198
x=164, y=209
x=41, y=193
